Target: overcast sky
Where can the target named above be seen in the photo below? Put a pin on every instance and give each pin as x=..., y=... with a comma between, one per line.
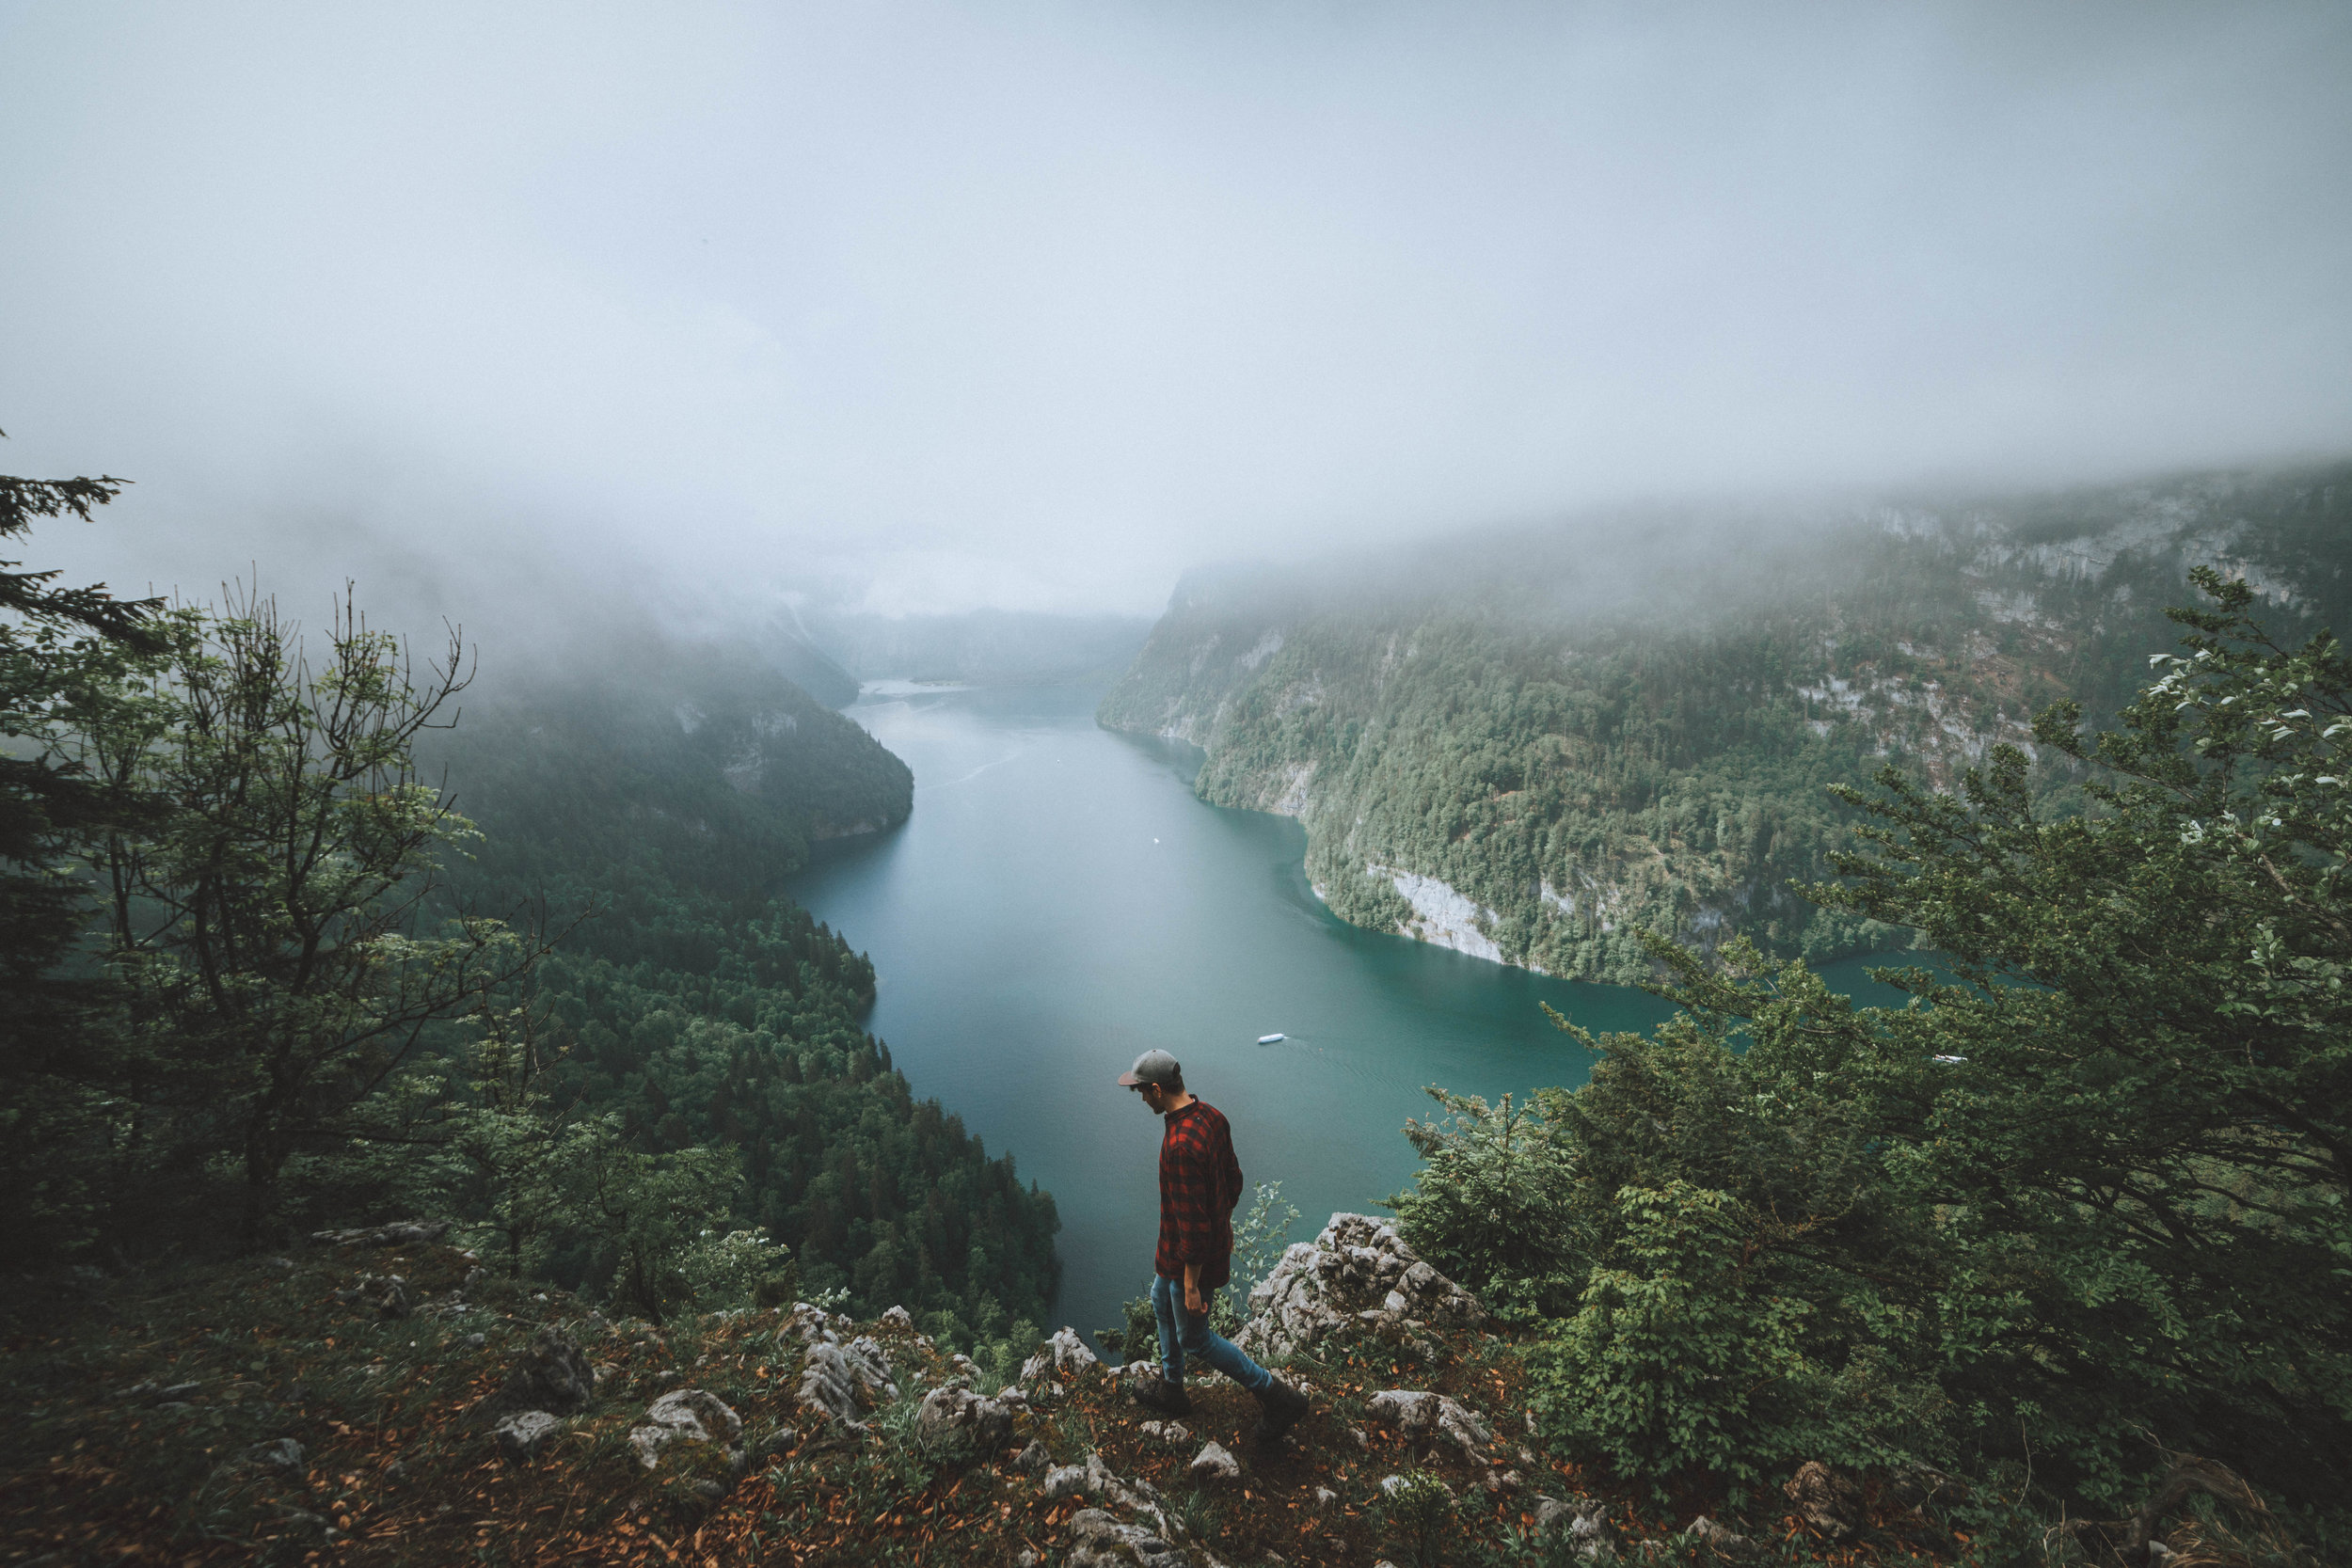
x=1034, y=305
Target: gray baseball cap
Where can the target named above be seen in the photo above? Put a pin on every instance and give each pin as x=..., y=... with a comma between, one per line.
x=1152, y=1067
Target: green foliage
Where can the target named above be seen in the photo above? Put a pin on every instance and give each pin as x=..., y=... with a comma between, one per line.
x=694, y=1008
x=291, y=1007
x=61, y=651
x=1588, y=736
x=1136, y=1338
x=2088, y=1192
x=1259, y=1239
x=1493, y=1200
x=1417, y=1515
x=273, y=967
x=656, y=1209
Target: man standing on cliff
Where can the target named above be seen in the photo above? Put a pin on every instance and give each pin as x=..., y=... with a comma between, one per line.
x=1200, y=1184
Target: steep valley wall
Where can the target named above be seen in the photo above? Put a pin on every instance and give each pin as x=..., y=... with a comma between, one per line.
x=1528, y=745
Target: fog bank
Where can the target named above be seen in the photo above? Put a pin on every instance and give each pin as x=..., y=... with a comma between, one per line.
x=915, y=308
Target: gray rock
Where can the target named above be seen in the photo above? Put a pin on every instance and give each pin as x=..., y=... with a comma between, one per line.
x=1580, y=1516
x=1166, y=1432
x=698, y=1414
x=283, y=1454
x=1213, y=1462
x=955, y=1421
x=520, y=1435
x=1419, y=1417
x=1358, y=1270
x=683, y=1415
x=898, y=1318
x=806, y=1324
x=1099, y=1541
x=839, y=1381
x=1064, y=1480
x=553, y=1375
x=1061, y=1357
x=1325, y=1499
x=1718, y=1539
x=1033, y=1458
x=400, y=1233
x=1826, y=1499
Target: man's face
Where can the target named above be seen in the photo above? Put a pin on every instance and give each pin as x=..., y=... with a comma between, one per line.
x=1153, y=1096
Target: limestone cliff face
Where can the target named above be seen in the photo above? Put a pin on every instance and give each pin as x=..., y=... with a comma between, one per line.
x=1523, y=746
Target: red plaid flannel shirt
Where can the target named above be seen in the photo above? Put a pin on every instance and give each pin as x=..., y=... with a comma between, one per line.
x=1200, y=1183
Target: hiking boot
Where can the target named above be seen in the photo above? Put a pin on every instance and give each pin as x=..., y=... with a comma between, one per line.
x=1280, y=1408
x=1157, y=1393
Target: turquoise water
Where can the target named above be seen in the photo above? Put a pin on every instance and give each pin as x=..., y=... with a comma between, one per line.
x=1059, y=902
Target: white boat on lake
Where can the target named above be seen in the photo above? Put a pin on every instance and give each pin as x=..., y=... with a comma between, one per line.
x=1272, y=1039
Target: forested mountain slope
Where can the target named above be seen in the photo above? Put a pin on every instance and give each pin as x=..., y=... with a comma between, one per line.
x=671, y=792
x=1524, y=744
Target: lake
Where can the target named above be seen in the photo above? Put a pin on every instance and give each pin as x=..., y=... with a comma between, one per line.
x=1059, y=902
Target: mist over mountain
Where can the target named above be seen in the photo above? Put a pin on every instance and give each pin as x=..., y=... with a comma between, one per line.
x=1679, y=500
x=1532, y=744
x=923, y=309
x=983, y=647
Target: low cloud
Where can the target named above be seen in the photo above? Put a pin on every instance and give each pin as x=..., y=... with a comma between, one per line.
x=918, y=308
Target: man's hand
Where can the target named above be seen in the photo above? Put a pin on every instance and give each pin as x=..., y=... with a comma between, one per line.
x=1195, y=1303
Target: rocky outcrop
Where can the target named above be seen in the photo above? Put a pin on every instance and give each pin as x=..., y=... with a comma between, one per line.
x=841, y=1382
x=957, y=1423
x=1359, y=1271
x=843, y=1373
x=1058, y=1361
x=1422, y=1418
x=1098, y=1540
x=1824, y=1500
x=683, y=1415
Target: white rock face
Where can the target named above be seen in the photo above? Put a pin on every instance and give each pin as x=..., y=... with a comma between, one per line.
x=683, y=1414
x=839, y=1382
x=1098, y=1540
x=1359, y=1265
x=1213, y=1462
x=1062, y=1357
x=954, y=1419
x=1419, y=1416
x=1441, y=915
x=520, y=1434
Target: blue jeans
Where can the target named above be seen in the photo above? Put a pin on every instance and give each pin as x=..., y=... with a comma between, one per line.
x=1183, y=1335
